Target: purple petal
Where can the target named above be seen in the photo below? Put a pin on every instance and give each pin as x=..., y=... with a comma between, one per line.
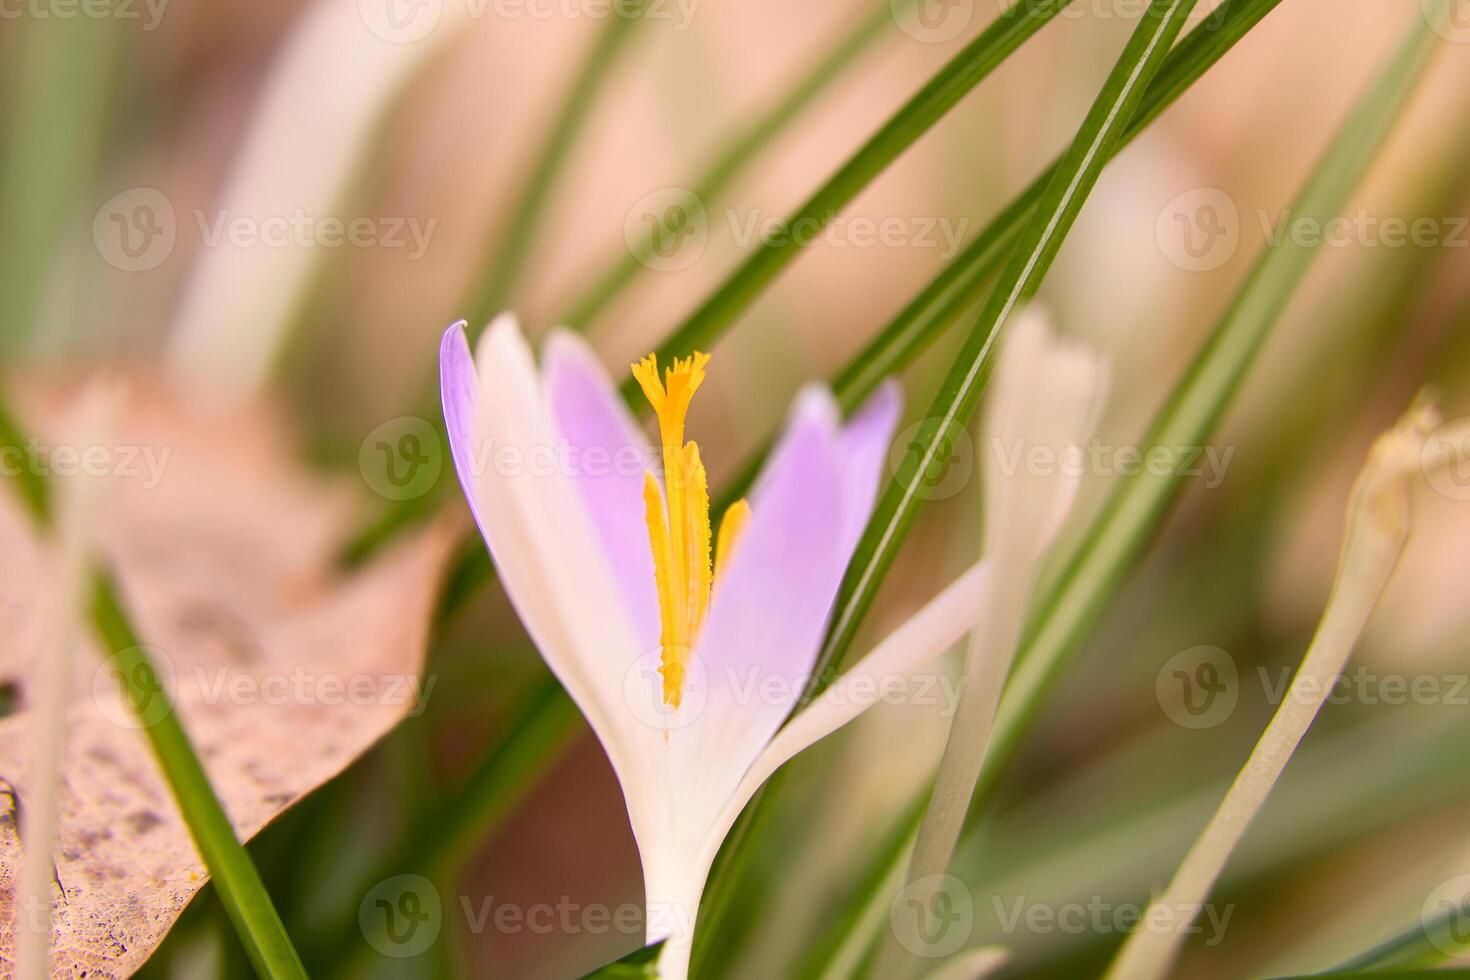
x=864, y=449
x=769, y=609
x=607, y=456
x=458, y=384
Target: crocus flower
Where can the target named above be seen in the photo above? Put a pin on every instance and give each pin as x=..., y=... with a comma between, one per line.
x=685, y=647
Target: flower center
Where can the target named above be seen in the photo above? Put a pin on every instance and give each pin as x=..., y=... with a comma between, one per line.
x=678, y=519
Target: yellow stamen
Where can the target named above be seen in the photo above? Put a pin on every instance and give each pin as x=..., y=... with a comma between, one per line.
x=678, y=519
x=732, y=526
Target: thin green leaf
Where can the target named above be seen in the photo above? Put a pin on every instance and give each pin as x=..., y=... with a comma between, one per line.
x=732, y=159
x=942, y=92
x=29, y=485
x=1101, y=132
x=59, y=80
x=1071, y=183
x=506, y=254
x=1385, y=975
x=234, y=875
x=955, y=289
x=1136, y=507
x=638, y=964
x=235, y=878
x=857, y=919
x=1423, y=945
x=541, y=724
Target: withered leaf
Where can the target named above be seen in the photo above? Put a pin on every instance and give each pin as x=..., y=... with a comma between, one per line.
x=283, y=669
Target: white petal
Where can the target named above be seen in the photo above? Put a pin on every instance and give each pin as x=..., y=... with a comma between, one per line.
x=1045, y=396
x=546, y=551
x=942, y=622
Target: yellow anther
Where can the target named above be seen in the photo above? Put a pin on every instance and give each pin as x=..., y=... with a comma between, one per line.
x=678, y=519
x=732, y=526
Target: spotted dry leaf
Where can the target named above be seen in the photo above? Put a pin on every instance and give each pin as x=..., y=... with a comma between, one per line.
x=283, y=670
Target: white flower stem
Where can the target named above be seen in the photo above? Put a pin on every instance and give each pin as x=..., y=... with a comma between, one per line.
x=63, y=614
x=1377, y=529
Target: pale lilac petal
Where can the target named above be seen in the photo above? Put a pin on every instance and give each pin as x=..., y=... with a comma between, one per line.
x=458, y=382
x=942, y=622
x=607, y=455
x=771, y=605
x=864, y=449
x=546, y=552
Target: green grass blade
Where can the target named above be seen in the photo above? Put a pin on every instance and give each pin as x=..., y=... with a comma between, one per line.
x=940, y=94
x=234, y=875
x=641, y=963
x=540, y=724
x=506, y=254
x=59, y=80
x=1097, y=139
x=735, y=155
x=503, y=257
x=856, y=920
x=1424, y=945
x=1385, y=975
x=29, y=485
x=957, y=288
x=1071, y=183
x=731, y=864
x=1137, y=506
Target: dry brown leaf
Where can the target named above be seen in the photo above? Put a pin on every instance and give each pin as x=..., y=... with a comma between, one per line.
x=283, y=670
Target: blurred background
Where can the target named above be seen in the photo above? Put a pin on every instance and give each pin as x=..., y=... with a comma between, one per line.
x=284, y=203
